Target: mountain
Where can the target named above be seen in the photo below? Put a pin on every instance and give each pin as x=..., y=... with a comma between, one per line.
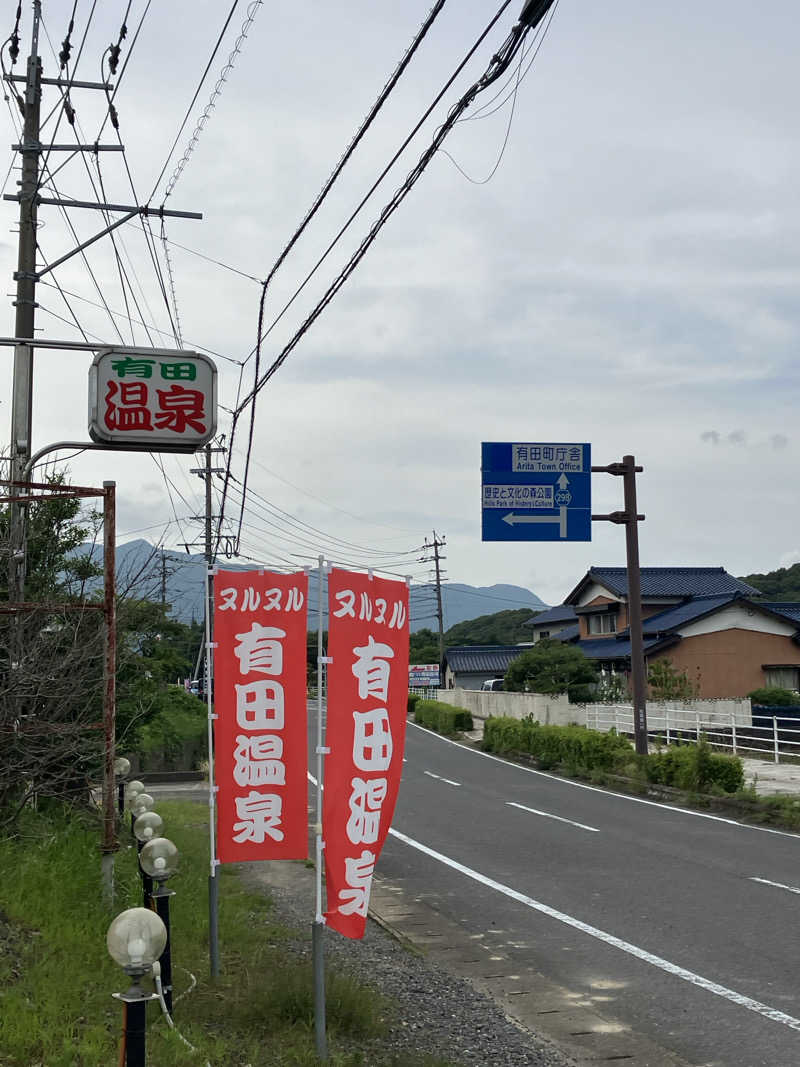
x=781, y=584
x=143, y=567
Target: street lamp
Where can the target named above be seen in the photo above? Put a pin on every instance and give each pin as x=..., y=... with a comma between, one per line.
x=141, y=802
x=132, y=791
x=122, y=768
x=147, y=825
x=135, y=940
x=159, y=860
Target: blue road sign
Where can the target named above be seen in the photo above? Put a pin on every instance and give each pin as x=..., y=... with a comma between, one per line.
x=540, y=491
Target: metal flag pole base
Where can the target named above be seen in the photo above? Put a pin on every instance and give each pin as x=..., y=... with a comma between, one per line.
x=213, y=925
x=318, y=956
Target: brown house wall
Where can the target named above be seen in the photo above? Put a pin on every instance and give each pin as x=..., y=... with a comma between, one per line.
x=728, y=663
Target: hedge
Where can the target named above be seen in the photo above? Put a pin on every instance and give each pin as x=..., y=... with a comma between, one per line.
x=443, y=718
x=581, y=751
x=413, y=698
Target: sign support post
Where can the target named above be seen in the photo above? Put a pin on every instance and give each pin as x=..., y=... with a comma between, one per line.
x=628, y=470
x=318, y=926
x=213, y=884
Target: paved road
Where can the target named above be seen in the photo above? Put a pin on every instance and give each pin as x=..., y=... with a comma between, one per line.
x=679, y=926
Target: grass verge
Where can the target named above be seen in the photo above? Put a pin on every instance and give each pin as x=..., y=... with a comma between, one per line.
x=56, y=977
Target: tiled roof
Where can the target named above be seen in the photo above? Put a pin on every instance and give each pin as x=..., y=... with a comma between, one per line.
x=788, y=610
x=479, y=658
x=679, y=615
x=620, y=648
x=560, y=613
x=568, y=633
x=670, y=581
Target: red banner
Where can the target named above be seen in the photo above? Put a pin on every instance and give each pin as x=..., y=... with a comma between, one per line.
x=366, y=729
x=260, y=733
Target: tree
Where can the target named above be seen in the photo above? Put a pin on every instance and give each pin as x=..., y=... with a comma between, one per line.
x=551, y=667
x=668, y=683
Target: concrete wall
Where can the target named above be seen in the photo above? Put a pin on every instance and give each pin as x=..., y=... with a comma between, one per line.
x=551, y=710
x=557, y=710
x=670, y=714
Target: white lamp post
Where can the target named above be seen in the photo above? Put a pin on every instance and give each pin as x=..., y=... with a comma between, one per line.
x=135, y=940
x=159, y=859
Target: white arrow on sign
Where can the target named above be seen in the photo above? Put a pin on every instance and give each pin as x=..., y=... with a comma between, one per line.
x=561, y=518
x=563, y=481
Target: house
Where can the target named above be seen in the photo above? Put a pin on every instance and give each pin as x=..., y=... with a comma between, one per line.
x=709, y=624
x=555, y=622
x=469, y=666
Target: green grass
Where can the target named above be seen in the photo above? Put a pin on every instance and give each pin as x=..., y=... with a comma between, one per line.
x=56, y=977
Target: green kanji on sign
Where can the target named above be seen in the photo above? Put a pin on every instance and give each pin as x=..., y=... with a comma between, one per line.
x=186, y=372
x=133, y=368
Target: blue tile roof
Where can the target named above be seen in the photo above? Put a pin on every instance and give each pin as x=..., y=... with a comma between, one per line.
x=672, y=618
x=673, y=581
x=560, y=613
x=568, y=633
x=610, y=648
x=789, y=610
x=472, y=659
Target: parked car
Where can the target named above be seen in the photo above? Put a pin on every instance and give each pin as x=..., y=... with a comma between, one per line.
x=492, y=685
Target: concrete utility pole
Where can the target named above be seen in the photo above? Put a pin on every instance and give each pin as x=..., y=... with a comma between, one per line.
x=434, y=547
x=25, y=302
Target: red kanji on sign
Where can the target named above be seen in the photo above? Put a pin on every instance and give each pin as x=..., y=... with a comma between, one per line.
x=126, y=407
x=179, y=408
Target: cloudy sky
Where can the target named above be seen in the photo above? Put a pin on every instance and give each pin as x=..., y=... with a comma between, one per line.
x=627, y=277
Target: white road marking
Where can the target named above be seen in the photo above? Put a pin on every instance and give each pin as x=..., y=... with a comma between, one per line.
x=547, y=815
x=607, y=792
x=778, y=885
x=439, y=778
x=718, y=990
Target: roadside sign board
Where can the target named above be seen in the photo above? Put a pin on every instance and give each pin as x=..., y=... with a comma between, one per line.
x=536, y=491
x=165, y=399
x=423, y=675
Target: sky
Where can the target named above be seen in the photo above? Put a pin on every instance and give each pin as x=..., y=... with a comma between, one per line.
x=626, y=277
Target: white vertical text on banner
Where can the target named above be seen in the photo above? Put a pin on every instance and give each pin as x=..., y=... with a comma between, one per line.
x=366, y=727
x=260, y=733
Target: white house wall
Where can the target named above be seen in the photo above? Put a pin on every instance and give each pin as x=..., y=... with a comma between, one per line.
x=737, y=617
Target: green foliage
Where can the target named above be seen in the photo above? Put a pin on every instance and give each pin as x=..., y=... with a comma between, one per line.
x=443, y=718
x=773, y=696
x=550, y=667
x=175, y=733
x=413, y=699
x=576, y=748
x=424, y=646
x=586, y=752
x=668, y=683
x=782, y=584
x=499, y=628
x=56, y=986
x=695, y=768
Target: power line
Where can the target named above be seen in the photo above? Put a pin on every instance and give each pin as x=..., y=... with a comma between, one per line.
x=251, y=397
x=360, y=133
x=194, y=98
x=252, y=9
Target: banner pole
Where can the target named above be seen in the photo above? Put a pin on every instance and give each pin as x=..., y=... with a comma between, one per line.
x=318, y=927
x=213, y=885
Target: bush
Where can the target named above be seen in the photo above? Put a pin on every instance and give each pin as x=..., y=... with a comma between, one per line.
x=773, y=696
x=443, y=718
x=578, y=750
x=413, y=698
x=695, y=768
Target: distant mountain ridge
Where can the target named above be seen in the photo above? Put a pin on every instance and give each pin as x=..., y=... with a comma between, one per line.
x=183, y=575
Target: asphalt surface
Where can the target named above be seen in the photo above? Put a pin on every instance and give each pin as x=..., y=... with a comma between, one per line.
x=646, y=912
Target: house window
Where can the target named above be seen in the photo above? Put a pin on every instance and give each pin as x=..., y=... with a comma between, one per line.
x=782, y=677
x=544, y=635
x=602, y=624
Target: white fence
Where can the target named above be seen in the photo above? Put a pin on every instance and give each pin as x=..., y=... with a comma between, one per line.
x=758, y=735
x=426, y=692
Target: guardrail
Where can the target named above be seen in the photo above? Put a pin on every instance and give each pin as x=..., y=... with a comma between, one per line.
x=778, y=735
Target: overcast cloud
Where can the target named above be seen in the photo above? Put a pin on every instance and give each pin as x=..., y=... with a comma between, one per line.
x=628, y=277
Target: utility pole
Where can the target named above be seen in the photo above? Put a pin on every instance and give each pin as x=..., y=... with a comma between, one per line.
x=434, y=547
x=25, y=276
x=206, y=472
